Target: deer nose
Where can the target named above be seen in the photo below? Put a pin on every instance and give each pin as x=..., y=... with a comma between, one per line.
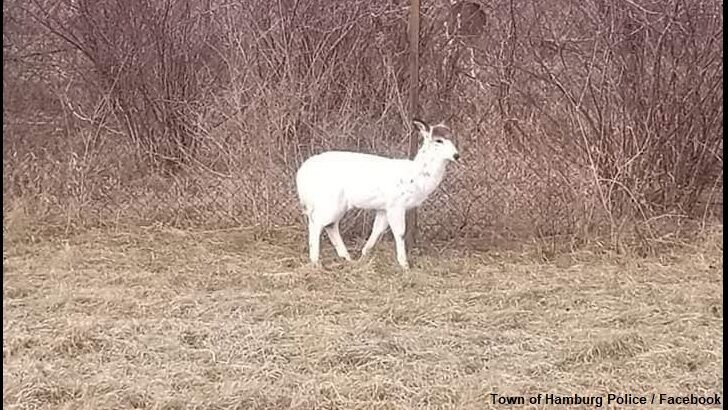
x=456, y=156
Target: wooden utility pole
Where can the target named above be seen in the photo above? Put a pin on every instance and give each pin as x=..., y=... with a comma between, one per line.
x=414, y=96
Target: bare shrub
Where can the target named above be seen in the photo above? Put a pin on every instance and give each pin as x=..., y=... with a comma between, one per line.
x=575, y=119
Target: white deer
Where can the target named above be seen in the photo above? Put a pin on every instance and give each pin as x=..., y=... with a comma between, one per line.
x=331, y=183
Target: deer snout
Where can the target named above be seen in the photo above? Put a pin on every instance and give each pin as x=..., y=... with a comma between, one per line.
x=456, y=156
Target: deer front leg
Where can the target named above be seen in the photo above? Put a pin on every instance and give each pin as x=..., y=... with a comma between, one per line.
x=378, y=227
x=396, y=220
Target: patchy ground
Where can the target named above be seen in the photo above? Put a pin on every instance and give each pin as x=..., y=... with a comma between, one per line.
x=161, y=318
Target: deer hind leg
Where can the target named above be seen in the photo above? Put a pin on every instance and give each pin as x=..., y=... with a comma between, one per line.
x=314, y=241
x=335, y=237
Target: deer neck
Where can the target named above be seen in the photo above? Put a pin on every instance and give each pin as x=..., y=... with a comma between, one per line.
x=429, y=169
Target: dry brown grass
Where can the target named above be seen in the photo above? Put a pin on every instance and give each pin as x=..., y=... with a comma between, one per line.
x=162, y=318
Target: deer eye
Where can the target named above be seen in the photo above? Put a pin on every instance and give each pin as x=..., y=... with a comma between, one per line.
x=439, y=140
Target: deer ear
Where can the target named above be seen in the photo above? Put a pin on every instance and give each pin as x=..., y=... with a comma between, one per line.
x=421, y=125
x=423, y=128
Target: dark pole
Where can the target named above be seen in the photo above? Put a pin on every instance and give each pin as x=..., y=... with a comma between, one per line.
x=414, y=95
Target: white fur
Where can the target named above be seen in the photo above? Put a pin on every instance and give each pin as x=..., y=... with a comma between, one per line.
x=331, y=183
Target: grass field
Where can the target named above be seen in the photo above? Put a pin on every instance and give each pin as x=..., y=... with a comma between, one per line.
x=161, y=318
